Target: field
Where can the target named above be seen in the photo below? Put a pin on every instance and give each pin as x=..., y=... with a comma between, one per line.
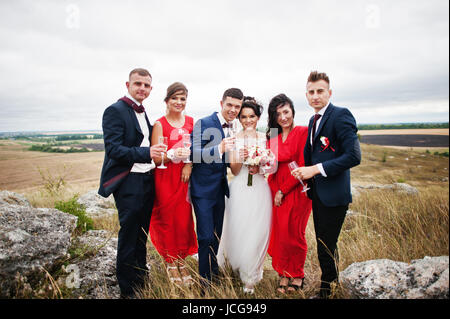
x=385, y=224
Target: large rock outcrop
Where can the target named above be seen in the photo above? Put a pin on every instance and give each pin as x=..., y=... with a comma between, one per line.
x=32, y=241
x=97, y=206
x=93, y=274
x=426, y=278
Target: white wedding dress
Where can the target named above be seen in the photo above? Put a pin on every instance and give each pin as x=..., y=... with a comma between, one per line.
x=246, y=227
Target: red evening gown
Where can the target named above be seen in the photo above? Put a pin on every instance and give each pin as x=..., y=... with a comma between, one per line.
x=172, y=225
x=287, y=245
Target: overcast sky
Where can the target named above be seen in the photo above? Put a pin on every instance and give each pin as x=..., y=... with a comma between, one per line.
x=63, y=62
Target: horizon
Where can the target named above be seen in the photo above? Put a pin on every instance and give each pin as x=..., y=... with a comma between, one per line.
x=87, y=131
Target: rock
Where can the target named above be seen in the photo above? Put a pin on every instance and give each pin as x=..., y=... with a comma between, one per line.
x=405, y=188
x=397, y=187
x=10, y=198
x=31, y=239
x=386, y=279
x=96, y=205
x=93, y=276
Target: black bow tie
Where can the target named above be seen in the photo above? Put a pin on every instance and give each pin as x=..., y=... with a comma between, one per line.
x=225, y=125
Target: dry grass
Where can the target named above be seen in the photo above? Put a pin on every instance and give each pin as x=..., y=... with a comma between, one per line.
x=386, y=224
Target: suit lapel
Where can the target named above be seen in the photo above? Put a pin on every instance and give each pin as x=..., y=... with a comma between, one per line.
x=323, y=120
x=135, y=120
x=150, y=128
x=216, y=121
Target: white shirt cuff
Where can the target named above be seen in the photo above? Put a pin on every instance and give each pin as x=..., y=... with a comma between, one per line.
x=322, y=171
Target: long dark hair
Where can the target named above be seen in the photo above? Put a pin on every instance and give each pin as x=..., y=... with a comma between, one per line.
x=277, y=101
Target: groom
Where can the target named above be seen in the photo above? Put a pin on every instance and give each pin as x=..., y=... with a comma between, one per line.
x=209, y=183
x=331, y=150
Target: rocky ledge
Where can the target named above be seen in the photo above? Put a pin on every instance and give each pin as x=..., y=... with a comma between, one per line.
x=425, y=278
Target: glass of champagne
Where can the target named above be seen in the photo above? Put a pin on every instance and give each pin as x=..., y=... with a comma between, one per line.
x=187, y=144
x=163, y=140
x=232, y=132
x=293, y=165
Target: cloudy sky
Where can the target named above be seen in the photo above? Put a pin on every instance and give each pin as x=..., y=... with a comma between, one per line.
x=63, y=62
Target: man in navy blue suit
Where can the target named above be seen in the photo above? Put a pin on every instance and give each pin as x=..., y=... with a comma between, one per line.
x=209, y=183
x=331, y=150
x=127, y=174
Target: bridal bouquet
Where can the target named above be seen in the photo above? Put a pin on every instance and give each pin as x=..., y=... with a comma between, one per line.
x=255, y=155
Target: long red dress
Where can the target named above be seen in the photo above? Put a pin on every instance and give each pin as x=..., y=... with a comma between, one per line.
x=287, y=245
x=172, y=225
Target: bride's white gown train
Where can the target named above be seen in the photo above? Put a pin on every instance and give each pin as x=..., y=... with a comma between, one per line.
x=246, y=227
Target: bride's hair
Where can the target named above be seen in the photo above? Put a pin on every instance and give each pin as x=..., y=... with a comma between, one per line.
x=277, y=101
x=251, y=103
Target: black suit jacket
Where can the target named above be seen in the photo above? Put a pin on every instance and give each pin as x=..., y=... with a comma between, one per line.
x=338, y=126
x=122, y=136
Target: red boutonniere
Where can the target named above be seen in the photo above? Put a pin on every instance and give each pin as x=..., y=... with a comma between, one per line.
x=325, y=143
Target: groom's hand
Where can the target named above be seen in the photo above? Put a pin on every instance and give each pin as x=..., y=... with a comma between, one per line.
x=227, y=144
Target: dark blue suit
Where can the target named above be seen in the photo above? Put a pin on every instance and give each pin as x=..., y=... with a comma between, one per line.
x=331, y=195
x=208, y=188
x=133, y=192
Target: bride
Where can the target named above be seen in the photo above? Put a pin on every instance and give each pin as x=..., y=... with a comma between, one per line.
x=248, y=211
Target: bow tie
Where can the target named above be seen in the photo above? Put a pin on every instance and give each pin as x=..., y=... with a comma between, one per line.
x=137, y=108
x=225, y=125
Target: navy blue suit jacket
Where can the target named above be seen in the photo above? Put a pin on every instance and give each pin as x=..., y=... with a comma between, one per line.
x=209, y=172
x=122, y=136
x=339, y=126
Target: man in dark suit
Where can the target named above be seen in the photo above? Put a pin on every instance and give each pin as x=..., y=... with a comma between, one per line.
x=332, y=149
x=127, y=174
x=209, y=183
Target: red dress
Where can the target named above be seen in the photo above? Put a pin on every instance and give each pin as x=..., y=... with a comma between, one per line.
x=172, y=225
x=287, y=245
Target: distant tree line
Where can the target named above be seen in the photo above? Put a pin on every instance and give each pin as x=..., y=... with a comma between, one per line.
x=49, y=148
x=402, y=126
x=59, y=137
x=78, y=137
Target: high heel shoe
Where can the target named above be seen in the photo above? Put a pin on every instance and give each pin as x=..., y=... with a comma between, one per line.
x=173, y=279
x=296, y=287
x=187, y=280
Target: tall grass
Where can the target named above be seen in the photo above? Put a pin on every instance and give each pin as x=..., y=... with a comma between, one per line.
x=385, y=224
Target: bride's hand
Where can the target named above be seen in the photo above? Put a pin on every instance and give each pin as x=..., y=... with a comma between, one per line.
x=253, y=169
x=243, y=154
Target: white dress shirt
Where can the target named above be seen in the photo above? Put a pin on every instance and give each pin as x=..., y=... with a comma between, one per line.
x=321, y=112
x=226, y=130
x=142, y=167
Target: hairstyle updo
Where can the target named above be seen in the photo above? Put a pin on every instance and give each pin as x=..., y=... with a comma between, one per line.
x=251, y=103
x=174, y=88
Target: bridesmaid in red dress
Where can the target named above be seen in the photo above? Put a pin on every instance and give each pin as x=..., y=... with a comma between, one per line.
x=291, y=206
x=172, y=225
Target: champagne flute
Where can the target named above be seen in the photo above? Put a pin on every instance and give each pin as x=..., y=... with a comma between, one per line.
x=232, y=132
x=163, y=140
x=293, y=165
x=187, y=144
